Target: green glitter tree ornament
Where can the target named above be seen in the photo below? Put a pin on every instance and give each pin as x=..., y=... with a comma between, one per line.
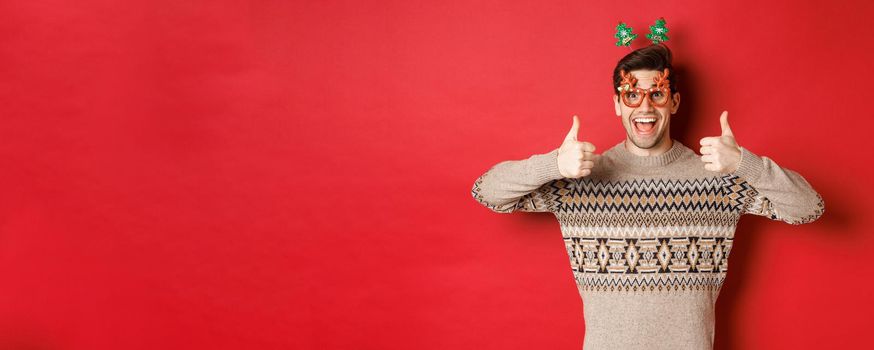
x=657, y=32
x=624, y=35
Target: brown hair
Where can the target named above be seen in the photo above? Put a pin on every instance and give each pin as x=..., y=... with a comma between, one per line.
x=653, y=57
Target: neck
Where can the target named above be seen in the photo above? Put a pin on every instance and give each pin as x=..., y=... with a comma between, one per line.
x=663, y=146
x=624, y=155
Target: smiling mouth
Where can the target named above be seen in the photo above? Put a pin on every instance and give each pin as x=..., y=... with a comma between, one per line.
x=644, y=125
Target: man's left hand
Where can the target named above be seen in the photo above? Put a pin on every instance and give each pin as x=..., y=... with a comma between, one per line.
x=721, y=153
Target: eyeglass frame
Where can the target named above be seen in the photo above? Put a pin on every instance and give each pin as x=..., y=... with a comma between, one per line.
x=647, y=94
x=662, y=84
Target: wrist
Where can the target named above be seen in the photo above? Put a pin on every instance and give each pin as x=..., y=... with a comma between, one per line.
x=546, y=166
x=750, y=166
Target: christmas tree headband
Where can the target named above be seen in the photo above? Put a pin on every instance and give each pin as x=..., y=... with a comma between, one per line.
x=625, y=35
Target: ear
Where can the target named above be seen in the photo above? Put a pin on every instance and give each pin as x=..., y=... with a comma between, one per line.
x=616, y=105
x=676, y=103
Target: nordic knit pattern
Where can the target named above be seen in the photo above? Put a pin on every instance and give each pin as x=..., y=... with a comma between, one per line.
x=649, y=237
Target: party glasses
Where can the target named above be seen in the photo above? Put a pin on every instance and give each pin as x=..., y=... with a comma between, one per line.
x=657, y=95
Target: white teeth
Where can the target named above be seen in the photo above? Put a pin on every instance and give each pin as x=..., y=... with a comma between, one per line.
x=644, y=120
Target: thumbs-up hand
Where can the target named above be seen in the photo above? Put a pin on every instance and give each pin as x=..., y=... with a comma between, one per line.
x=575, y=158
x=721, y=153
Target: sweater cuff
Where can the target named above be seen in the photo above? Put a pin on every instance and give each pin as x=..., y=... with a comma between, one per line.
x=751, y=166
x=545, y=166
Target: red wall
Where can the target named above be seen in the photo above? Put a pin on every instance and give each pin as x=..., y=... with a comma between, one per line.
x=274, y=174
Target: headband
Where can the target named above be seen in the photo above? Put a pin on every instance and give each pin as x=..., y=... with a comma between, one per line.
x=657, y=33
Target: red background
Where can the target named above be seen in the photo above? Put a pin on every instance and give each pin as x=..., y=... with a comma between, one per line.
x=274, y=174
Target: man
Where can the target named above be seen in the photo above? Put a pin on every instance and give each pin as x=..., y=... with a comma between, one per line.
x=648, y=224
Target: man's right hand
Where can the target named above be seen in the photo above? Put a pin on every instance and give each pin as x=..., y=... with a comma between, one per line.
x=575, y=159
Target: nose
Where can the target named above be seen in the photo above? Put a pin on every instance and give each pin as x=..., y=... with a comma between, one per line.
x=645, y=107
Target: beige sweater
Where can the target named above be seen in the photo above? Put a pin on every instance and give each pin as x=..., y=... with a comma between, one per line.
x=649, y=237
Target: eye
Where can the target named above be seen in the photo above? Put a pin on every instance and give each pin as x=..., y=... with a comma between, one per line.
x=632, y=94
x=657, y=94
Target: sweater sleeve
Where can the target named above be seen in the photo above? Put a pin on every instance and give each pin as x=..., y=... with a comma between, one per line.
x=778, y=193
x=519, y=185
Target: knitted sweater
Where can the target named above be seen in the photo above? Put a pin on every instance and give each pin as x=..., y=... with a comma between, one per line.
x=649, y=237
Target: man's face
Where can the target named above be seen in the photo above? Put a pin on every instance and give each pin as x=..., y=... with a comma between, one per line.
x=641, y=132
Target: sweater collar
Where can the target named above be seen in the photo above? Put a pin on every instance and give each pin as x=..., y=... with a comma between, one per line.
x=677, y=150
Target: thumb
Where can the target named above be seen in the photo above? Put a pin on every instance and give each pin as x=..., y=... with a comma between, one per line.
x=572, y=135
x=723, y=120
